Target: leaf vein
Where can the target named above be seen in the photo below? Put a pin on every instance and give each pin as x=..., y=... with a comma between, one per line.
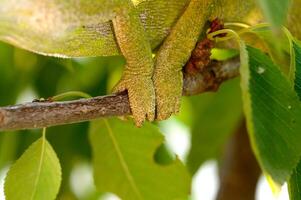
x=122, y=161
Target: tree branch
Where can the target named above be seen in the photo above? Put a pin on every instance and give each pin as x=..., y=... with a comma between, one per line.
x=46, y=114
x=239, y=170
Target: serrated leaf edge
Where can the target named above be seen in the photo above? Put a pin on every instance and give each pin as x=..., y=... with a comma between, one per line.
x=44, y=141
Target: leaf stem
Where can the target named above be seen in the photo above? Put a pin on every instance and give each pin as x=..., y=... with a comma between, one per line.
x=238, y=24
x=232, y=33
x=65, y=95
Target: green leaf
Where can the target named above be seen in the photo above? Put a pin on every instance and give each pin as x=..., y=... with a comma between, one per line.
x=35, y=175
x=294, y=184
x=216, y=117
x=223, y=54
x=278, y=47
x=273, y=114
x=124, y=162
x=297, y=68
x=275, y=11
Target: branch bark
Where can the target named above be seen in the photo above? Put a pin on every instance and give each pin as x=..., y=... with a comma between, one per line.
x=46, y=114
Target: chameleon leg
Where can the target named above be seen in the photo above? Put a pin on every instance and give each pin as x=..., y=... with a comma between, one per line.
x=137, y=76
x=174, y=53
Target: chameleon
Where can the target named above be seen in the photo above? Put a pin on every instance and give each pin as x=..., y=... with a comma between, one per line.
x=135, y=29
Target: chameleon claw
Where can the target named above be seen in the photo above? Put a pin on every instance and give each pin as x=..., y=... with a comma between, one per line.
x=141, y=96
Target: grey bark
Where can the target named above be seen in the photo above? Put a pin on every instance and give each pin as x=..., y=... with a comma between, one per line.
x=46, y=114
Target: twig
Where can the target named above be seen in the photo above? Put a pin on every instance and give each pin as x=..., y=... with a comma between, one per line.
x=46, y=114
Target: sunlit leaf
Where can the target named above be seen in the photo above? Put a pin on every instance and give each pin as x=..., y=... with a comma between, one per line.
x=273, y=113
x=223, y=54
x=294, y=183
x=297, y=69
x=124, y=162
x=36, y=174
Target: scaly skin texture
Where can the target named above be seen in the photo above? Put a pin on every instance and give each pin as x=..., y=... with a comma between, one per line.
x=137, y=76
x=168, y=77
x=177, y=47
x=82, y=28
x=74, y=28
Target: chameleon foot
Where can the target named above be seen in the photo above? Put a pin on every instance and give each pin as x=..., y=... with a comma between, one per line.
x=141, y=96
x=168, y=87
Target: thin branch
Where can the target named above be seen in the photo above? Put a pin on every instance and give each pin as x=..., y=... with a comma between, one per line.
x=46, y=114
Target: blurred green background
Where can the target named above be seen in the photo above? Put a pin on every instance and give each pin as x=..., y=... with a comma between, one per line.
x=26, y=76
x=207, y=120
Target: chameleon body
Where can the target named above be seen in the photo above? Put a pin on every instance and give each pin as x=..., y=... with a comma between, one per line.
x=75, y=28
x=135, y=29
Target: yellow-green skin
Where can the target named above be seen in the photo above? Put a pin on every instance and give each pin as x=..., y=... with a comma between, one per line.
x=81, y=28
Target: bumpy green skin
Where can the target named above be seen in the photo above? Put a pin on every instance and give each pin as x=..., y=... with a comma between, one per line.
x=77, y=28
x=177, y=47
x=137, y=76
x=80, y=28
x=173, y=55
